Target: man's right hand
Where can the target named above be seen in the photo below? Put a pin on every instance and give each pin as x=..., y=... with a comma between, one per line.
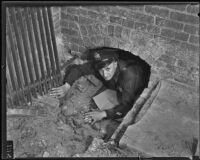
x=60, y=92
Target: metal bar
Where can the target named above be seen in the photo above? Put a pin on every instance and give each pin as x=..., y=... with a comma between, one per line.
x=16, y=65
x=26, y=49
x=53, y=39
x=42, y=32
x=10, y=69
x=25, y=44
x=37, y=42
x=31, y=40
x=13, y=19
x=48, y=40
x=8, y=87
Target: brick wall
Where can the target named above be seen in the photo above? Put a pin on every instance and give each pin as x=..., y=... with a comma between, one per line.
x=166, y=36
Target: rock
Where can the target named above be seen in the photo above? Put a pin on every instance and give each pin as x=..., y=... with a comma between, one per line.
x=46, y=154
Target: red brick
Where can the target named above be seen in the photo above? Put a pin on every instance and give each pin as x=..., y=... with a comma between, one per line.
x=83, y=30
x=182, y=63
x=182, y=79
x=69, y=17
x=184, y=18
x=168, y=59
x=69, y=32
x=110, y=30
x=64, y=23
x=74, y=47
x=73, y=25
x=116, y=20
x=125, y=33
x=194, y=9
x=84, y=20
x=118, y=31
x=135, y=7
x=97, y=28
x=171, y=68
x=142, y=17
x=189, y=47
x=96, y=16
x=76, y=40
x=90, y=30
x=190, y=29
x=128, y=23
x=180, y=7
x=55, y=9
x=181, y=36
x=153, y=29
x=107, y=41
x=194, y=39
x=154, y=10
x=82, y=12
x=140, y=26
x=168, y=23
x=72, y=10
x=167, y=33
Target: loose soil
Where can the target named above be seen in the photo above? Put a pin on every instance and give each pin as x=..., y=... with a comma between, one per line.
x=57, y=128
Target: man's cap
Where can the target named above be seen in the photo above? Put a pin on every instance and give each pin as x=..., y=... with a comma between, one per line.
x=104, y=57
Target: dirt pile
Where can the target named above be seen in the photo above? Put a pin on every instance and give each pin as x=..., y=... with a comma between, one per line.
x=57, y=128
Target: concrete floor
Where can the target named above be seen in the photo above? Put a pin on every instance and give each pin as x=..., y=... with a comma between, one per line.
x=170, y=127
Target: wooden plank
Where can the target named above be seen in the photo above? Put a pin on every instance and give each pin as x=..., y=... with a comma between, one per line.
x=53, y=39
x=47, y=33
x=13, y=19
x=44, y=45
x=31, y=40
x=36, y=32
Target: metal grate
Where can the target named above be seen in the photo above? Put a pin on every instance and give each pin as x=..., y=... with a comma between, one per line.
x=31, y=54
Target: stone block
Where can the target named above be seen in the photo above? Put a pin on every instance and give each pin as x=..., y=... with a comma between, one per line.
x=190, y=29
x=155, y=10
x=186, y=18
x=168, y=23
x=170, y=126
x=181, y=36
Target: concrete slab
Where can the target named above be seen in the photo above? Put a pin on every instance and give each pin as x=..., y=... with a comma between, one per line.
x=170, y=127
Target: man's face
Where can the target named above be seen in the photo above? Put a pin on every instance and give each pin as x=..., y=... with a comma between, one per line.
x=108, y=71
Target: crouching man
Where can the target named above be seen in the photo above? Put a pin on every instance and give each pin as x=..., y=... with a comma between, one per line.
x=118, y=70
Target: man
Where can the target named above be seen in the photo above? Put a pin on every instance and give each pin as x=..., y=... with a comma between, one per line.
x=118, y=70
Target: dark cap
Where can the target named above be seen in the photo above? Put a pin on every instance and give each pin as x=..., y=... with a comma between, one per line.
x=103, y=58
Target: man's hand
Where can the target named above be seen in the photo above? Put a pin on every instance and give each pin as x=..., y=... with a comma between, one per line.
x=95, y=116
x=60, y=92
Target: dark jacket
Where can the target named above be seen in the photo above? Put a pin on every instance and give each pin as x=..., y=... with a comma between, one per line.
x=129, y=80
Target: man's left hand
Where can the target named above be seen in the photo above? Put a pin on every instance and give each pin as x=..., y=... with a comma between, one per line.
x=95, y=116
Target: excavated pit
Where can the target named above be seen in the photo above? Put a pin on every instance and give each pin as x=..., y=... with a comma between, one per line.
x=51, y=131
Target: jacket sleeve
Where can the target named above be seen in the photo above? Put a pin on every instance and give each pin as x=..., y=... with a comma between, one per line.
x=132, y=87
x=74, y=72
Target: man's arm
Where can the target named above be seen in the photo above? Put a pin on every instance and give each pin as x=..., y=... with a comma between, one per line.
x=75, y=71
x=132, y=87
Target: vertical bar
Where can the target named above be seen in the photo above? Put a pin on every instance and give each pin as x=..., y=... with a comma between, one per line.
x=10, y=69
x=8, y=85
x=48, y=40
x=31, y=40
x=42, y=32
x=13, y=52
x=37, y=42
x=53, y=39
x=25, y=45
x=13, y=19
